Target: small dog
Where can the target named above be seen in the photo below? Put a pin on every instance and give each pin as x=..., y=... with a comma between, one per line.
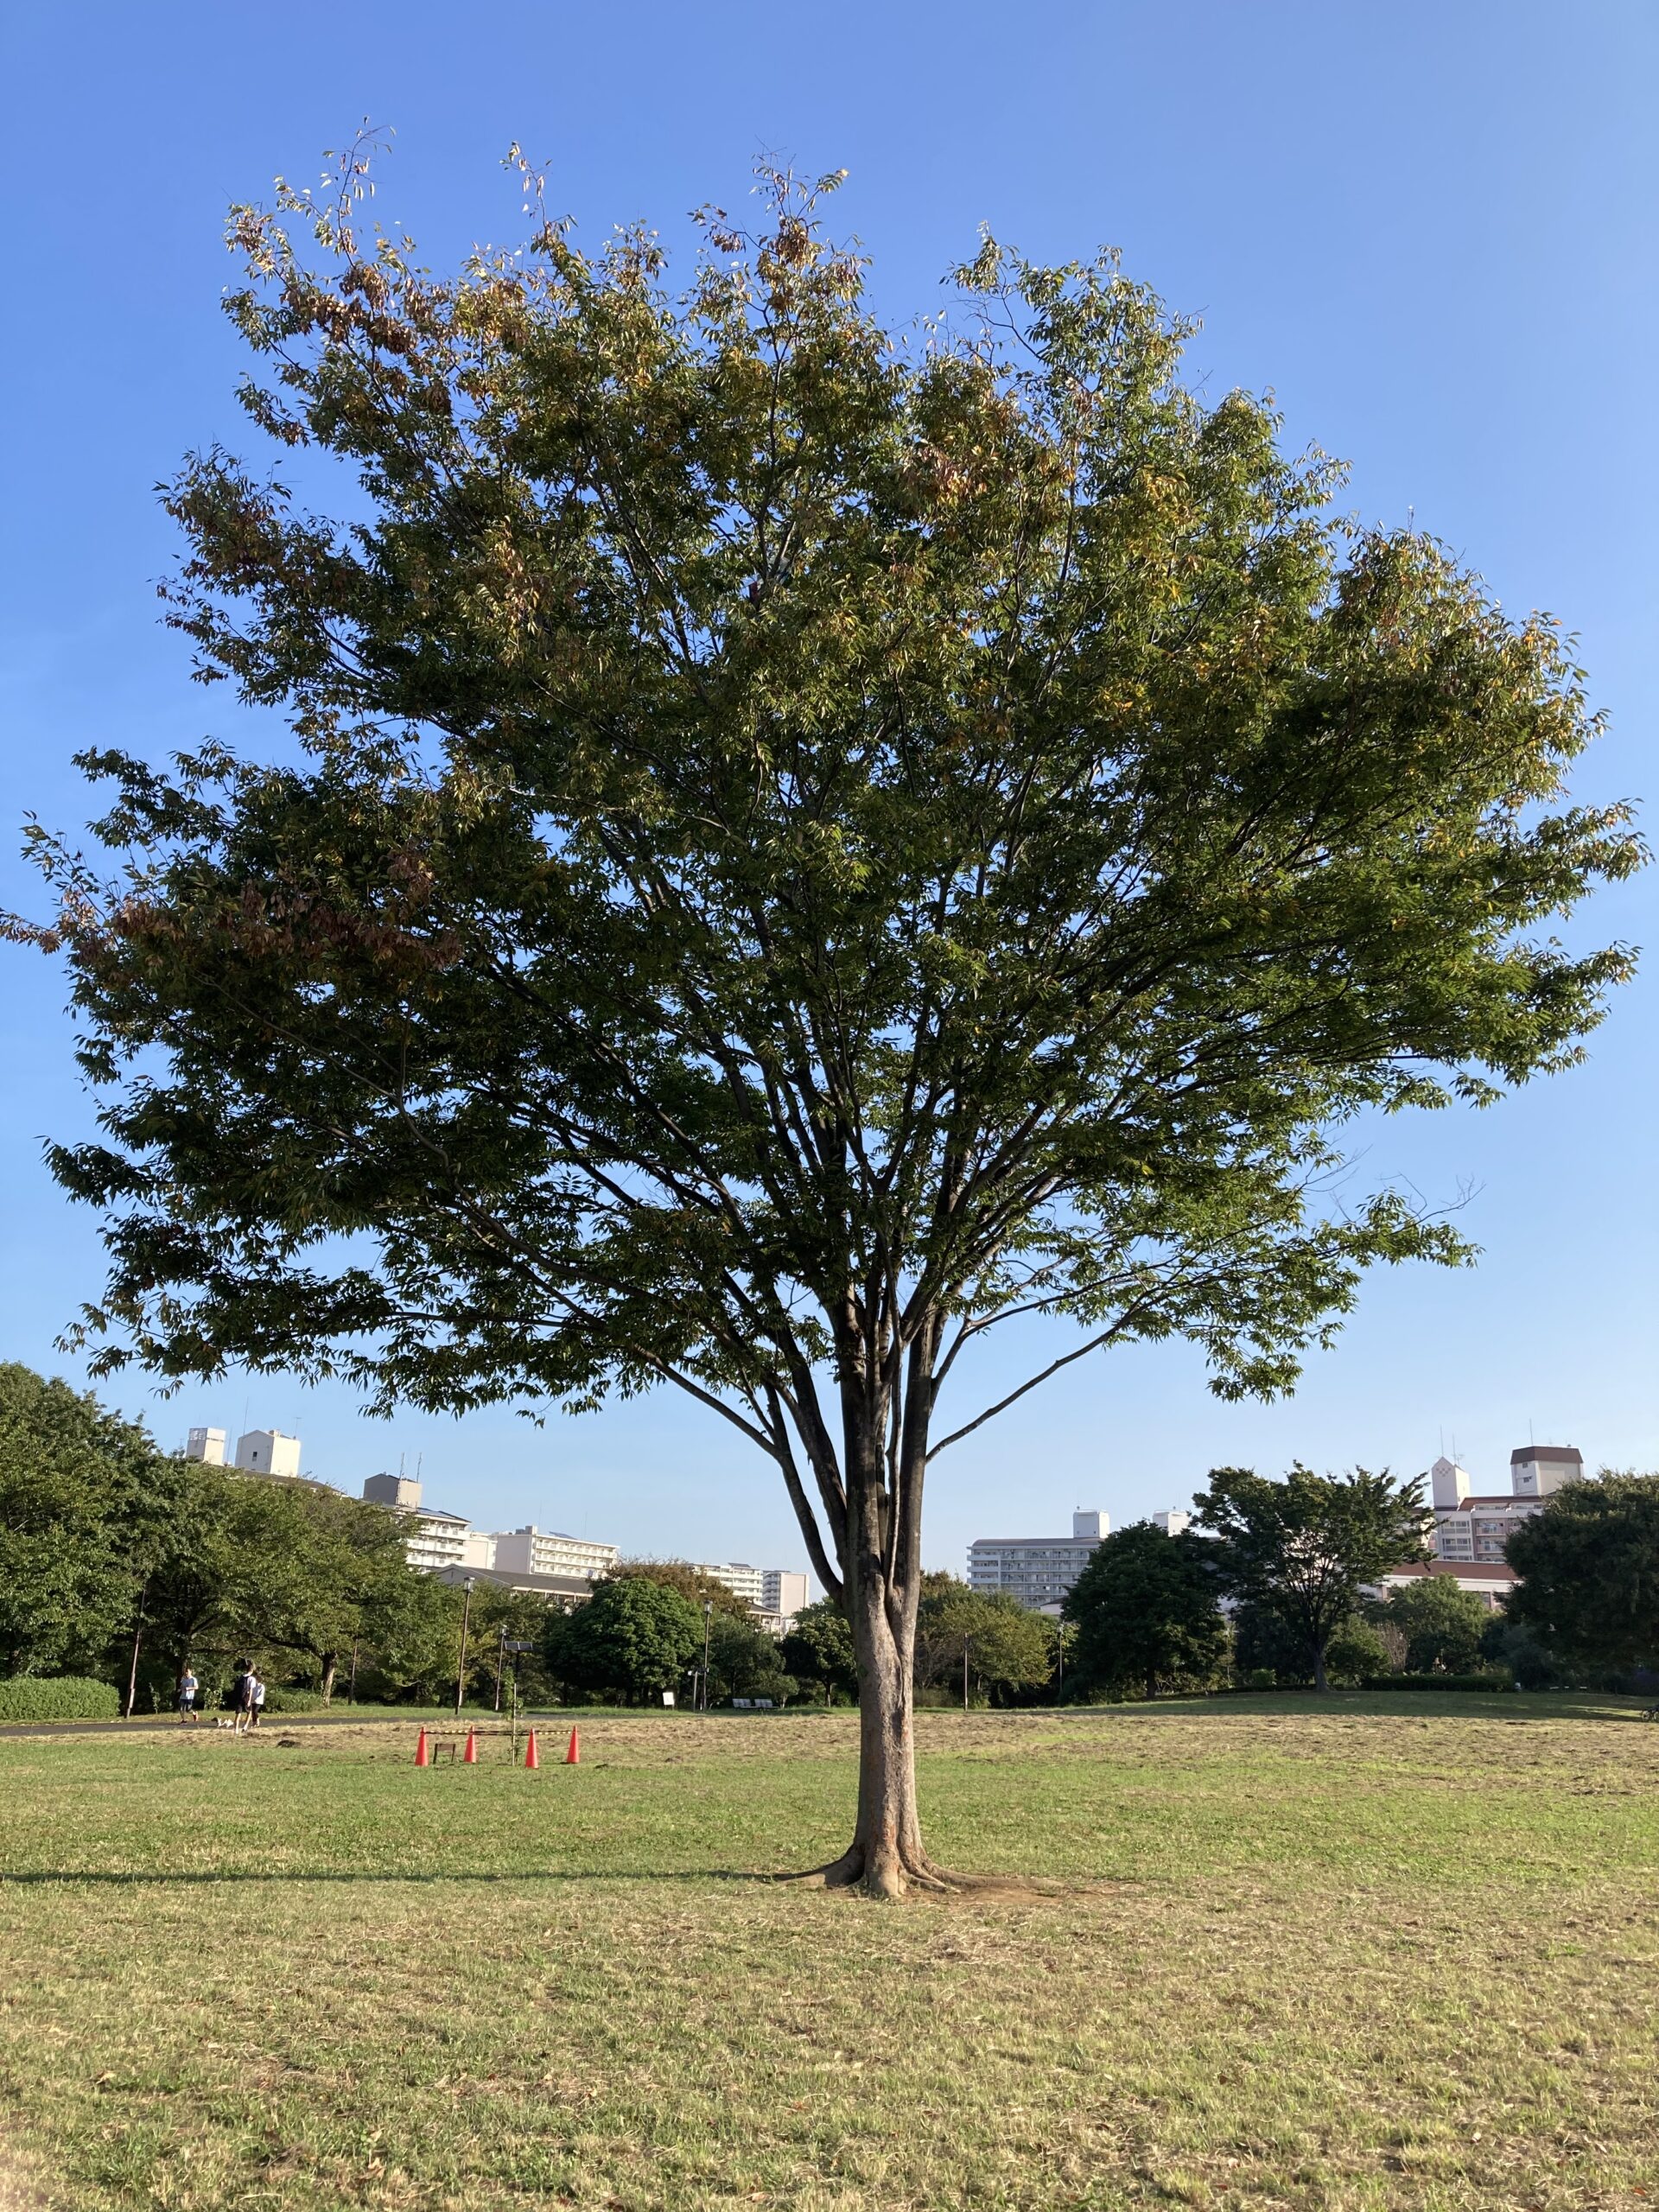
x=219, y=1723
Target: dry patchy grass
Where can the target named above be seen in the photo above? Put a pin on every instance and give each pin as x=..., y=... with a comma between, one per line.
x=1353, y=1957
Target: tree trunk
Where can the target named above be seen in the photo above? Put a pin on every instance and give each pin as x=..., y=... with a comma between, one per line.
x=1320, y=1682
x=330, y=1661
x=885, y=1855
x=881, y=1582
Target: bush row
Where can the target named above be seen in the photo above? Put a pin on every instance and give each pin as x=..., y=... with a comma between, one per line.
x=58, y=1697
x=1497, y=1680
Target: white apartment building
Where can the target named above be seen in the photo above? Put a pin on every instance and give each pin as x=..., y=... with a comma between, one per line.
x=1490, y=1580
x=1473, y=1529
x=1173, y=1524
x=776, y=1594
x=267, y=1451
x=784, y=1592
x=432, y=1539
x=261, y=1452
x=530, y=1550
x=744, y=1581
x=1039, y=1571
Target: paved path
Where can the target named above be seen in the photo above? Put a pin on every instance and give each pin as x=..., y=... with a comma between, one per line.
x=356, y=1715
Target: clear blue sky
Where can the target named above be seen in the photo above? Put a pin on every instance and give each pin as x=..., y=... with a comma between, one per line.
x=1431, y=229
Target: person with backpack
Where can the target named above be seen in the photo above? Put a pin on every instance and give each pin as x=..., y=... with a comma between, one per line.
x=242, y=1695
x=259, y=1707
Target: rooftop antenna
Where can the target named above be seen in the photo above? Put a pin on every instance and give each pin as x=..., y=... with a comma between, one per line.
x=420, y=1461
x=402, y=1456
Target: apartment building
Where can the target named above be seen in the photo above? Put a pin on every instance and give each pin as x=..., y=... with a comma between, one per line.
x=1472, y=1528
x=784, y=1592
x=530, y=1550
x=432, y=1539
x=748, y=1583
x=261, y=1452
x=1039, y=1571
x=1488, y=1579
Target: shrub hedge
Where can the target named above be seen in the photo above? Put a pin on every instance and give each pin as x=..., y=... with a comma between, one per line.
x=1504, y=1680
x=58, y=1697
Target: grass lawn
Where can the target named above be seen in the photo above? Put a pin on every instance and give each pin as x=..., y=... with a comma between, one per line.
x=1370, y=1953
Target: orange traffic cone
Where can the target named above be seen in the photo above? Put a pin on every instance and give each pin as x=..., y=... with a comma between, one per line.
x=573, y=1756
x=469, y=1757
x=531, y=1757
x=423, y=1756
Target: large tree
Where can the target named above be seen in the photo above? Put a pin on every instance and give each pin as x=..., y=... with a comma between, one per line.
x=1589, y=1569
x=84, y=1498
x=1304, y=1548
x=1148, y=1613
x=802, y=846
x=634, y=1635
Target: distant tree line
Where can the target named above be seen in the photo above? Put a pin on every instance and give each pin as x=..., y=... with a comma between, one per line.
x=119, y=1562
x=1275, y=1584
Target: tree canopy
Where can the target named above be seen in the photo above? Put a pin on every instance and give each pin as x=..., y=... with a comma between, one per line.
x=1589, y=1569
x=634, y=1636
x=1304, y=1548
x=84, y=1498
x=818, y=1650
x=803, y=846
x=1148, y=1613
x=983, y=1635
x=1442, y=1624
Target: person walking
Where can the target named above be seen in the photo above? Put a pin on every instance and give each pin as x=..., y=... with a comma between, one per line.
x=187, y=1687
x=242, y=1697
x=259, y=1714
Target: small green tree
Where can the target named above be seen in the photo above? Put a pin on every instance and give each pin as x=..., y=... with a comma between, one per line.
x=800, y=850
x=1305, y=1547
x=745, y=1662
x=1002, y=1645
x=697, y=1588
x=1355, y=1651
x=1589, y=1569
x=1146, y=1613
x=818, y=1649
x=634, y=1638
x=1442, y=1624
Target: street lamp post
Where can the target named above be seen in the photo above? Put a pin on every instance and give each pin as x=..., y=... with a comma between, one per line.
x=708, y=1624
x=461, y=1671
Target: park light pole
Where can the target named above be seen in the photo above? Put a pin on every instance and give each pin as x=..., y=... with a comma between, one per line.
x=966, y=1642
x=461, y=1671
x=708, y=1624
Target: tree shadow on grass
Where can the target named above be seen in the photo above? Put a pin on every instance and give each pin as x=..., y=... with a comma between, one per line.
x=105, y=1878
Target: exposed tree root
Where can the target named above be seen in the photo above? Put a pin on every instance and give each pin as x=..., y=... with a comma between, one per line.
x=899, y=1875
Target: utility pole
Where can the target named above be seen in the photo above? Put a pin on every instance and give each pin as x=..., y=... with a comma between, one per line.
x=966, y=1641
x=461, y=1671
x=500, y=1662
x=138, y=1638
